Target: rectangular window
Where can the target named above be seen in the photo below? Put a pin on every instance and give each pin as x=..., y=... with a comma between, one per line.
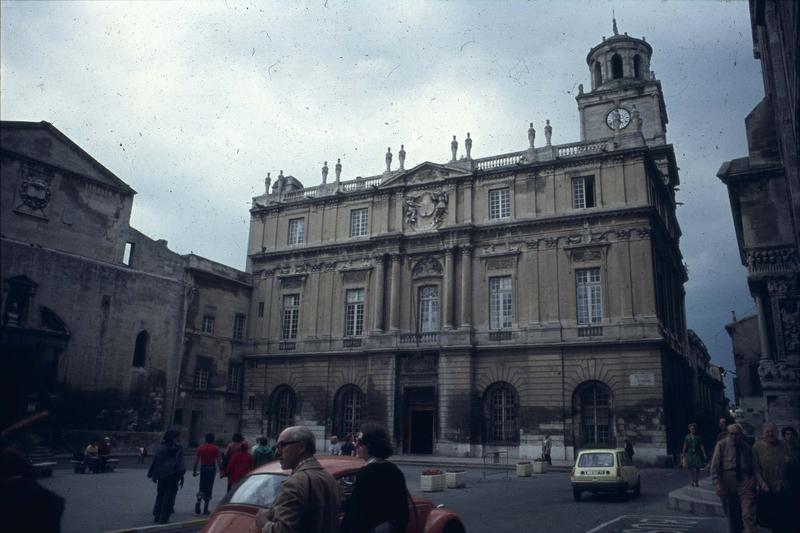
x=354, y=313
x=202, y=374
x=238, y=326
x=297, y=231
x=428, y=309
x=260, y=309
x=590, y=297
x=500, y=310
x=127, y=257
x=291, y=315
x=359, y=220
x=251, y=402
x=234, y=377
x=583, y=192
x=208, y=325
x=499, y=204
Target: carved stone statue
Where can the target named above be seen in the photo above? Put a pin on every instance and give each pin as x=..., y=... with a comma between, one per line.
x=338, y=169
x=548, y=132
x=580, y=88
x=401, y=157
x=531, y=135
x=389, y=159
x=636, y=119
x=267, y=182
x=440, y=208
x=615, y=120
x=468, y=146
x=454, y=148
x=325, y=173
x=411, y=210
x=277, y=187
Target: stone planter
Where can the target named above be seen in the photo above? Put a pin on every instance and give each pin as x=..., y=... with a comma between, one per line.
x=433, y=482
x=456, y=479
x=524, y=469
x=539, y=467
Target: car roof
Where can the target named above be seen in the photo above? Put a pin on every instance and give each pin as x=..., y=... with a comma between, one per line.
x=336, y=465
x=601, y=450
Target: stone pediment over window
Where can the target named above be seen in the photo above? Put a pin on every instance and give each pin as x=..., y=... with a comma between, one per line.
x=424, y=173
x=427, y=267
x=587, y=253
x=292, y=281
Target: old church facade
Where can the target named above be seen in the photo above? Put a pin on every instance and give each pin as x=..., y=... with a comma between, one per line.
x=476, y=305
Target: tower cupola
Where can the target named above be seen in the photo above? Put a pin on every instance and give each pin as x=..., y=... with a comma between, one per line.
x=619, y=59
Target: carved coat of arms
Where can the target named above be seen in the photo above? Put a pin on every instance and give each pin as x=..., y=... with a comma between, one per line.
x=425, y=211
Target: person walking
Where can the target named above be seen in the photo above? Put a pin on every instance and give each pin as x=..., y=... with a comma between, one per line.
x=240, y=463
x=167, y=471
x=348, y=448
x=308, y=501
x=769, y=460
x=693, y=454
x=208, y=458
x=629, y=449
x=263, y=453
x=379, y=502
x=734, y=480
x=723, y=429
x=547, y=446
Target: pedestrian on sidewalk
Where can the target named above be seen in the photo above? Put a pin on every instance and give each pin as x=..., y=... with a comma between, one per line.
x=734, y=481
x=547, y=446
x=379, y=502
x=240, y=463
x=167, y=471
x=262, y=453
x=629, y=449
x=723, y=429
x=208, y=458
x=348, y=448
x=693, y=454
x=769, y=461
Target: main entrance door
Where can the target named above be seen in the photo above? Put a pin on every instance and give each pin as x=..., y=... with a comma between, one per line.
x=419, y=420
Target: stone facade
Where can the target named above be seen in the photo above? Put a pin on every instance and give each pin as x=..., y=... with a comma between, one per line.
x=93, y=311
x=764, y=190
x=477, y=304
x=709, y=395
x=747, y=390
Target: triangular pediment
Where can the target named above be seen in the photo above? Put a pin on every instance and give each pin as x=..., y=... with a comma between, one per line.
x=41, y=141
x=424, y=173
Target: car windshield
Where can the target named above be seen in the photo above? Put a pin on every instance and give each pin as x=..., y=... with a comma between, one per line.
x=596, y=459
x=258, y=489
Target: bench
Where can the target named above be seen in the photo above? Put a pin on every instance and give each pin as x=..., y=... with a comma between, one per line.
x=44, y=469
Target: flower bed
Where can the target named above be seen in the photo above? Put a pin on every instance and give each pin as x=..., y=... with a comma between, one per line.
x=456, y=479
x=524, y=469
x=539, y=466
x=432, y=480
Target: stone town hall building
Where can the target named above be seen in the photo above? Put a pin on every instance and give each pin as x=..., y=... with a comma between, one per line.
x=477, y=304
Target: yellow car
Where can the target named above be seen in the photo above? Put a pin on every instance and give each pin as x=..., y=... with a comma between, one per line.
x=604, y=470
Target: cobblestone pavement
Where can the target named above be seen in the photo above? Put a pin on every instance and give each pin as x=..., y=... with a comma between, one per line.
x=498, y=503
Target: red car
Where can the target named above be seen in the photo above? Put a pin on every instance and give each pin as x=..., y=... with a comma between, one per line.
x=237, y=511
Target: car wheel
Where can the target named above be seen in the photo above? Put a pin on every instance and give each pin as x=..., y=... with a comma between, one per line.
x=576, y=494
x=453, y=527
x=638, y=490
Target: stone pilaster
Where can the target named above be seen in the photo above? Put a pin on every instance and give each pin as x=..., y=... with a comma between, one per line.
x=466, y=287
x=447, y=300
x=394, y=295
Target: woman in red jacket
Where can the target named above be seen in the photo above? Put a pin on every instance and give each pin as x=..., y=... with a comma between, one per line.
x=240, y=463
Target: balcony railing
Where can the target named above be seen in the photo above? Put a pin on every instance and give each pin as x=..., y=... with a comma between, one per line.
x=500, y=336
x=497, y=161
x=420, y=338
x=580, y=148
x=287, y=346
x=590, y=331
x=351, y=343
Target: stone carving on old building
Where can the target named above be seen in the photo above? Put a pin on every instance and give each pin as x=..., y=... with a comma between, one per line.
x=338, y=170
x=354, y=276
x=468, y=146
x=454, y=148
x=267, y=182
x=426, y=267
x=34, y=195
x=548, y=132
x=419, y=364
x=775, y=373
x=772, y=260
x=790, y=325
x=325, y=173
x=401, y=157
x=531, y=135
x=389, y=159
x=426, y=210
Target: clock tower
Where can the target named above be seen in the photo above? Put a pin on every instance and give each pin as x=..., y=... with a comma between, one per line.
x=623, y=86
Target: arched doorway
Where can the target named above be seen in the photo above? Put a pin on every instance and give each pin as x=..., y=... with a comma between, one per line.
x=348, y=404
x=281, y=412
x=594, y=420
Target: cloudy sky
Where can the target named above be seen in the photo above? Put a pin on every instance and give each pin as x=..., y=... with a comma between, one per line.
x=193, y=103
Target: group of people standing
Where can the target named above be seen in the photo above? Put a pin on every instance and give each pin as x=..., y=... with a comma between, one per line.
x=758, y=485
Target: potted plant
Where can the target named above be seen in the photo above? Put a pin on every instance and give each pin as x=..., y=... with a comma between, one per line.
x=539, y=466
x=456, y=479
x=524, y=468
x=432, y=480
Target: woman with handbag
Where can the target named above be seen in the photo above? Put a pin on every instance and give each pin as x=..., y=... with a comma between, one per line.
x=379, y=502
x=693, y=455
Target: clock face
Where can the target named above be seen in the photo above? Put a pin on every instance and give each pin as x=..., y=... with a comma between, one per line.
x=623, y=114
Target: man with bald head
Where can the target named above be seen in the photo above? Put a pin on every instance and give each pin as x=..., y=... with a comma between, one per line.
x=309, y=499
x=734, y=481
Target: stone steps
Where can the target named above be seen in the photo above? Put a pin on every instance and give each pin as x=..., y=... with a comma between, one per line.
x=701, y=500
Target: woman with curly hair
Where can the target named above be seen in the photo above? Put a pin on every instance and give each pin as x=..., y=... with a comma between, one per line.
x=693, y=455
x=379, y=502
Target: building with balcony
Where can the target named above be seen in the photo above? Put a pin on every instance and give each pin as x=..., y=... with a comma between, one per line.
x=476, y=304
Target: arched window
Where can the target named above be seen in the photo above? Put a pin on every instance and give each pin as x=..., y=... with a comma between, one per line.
x=500, y=413
x=598, y=74
x=348, y=404
x=282, y=405
x=596, y=418
x=616, y=67
x=637, y=67
x=140, y=351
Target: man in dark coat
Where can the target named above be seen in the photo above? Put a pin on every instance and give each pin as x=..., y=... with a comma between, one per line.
x=167, y=470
